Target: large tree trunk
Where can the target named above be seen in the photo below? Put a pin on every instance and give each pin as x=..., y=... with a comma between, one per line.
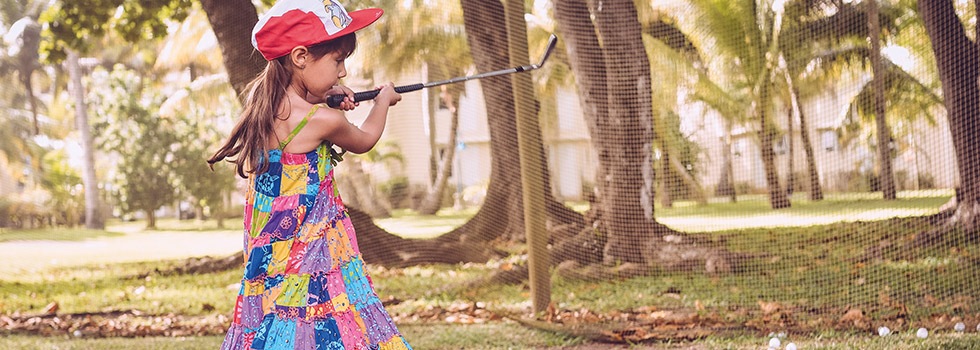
x=93, y=217
x=614, y=90
x=627, y=189
x=885, y=177
x=232, y=22
x=958, y=61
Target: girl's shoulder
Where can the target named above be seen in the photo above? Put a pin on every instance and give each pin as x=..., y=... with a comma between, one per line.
x=325, y=116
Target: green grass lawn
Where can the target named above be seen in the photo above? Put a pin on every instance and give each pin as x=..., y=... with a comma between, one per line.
x=505, y=336
x=751, y=211
x=55, y=234
x=810, y=267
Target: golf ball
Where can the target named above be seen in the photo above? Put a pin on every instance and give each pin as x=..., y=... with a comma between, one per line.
x=959, y=327
x=77, y=333
x=922, y=333
x=883, y=331
x=774, y=343
x=791, y=346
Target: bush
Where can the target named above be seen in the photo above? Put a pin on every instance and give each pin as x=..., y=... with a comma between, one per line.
x=21, y=214
x=926, y=181
x=856, y=181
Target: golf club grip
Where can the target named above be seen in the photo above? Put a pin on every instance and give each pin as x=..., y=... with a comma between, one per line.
x=334, y=100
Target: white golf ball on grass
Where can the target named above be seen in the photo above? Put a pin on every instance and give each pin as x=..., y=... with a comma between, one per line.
x=922, y=333
x=774, y=343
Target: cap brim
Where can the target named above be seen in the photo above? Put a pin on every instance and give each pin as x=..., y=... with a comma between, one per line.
x=359, y=19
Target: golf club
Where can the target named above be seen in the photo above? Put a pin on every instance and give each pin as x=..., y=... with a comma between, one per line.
x=335, y=100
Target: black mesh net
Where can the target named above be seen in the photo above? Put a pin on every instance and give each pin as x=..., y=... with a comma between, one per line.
x=691, y=168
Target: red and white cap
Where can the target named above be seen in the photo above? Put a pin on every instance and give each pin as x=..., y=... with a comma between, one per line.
x=292, y=23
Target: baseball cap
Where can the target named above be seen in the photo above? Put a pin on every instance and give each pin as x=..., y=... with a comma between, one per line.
x=292, y=23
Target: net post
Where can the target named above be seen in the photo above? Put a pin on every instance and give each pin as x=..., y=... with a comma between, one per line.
x=531, y=159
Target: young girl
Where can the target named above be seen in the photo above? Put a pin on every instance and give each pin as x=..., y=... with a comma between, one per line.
x=305, y=285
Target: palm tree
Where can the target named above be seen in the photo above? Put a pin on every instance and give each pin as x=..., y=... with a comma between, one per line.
x=748, y=33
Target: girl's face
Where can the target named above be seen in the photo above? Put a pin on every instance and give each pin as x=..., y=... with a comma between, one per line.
x=322, y=74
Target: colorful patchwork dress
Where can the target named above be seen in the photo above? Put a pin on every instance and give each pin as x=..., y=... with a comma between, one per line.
x=304, y=286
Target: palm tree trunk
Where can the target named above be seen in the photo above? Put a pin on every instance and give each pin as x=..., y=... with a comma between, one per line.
x=790, y=178
x=93, y=217
x=433, y=145
x=433, y=198
x=29, y=86
x=726, y=182
x=815, y=192
x=689, y=182
x=885, y=177
x=777, y=198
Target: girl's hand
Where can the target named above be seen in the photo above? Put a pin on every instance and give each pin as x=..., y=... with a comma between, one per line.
x=387, y=95
x=348, y=103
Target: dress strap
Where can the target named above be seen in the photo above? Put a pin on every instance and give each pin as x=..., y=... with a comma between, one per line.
x=282, y=145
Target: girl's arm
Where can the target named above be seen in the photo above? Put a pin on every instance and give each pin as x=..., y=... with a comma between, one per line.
x=340, y=132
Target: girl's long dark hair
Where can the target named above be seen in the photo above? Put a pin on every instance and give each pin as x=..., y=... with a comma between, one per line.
x=246, y=145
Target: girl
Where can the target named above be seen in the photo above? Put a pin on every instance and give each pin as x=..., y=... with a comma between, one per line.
x=304, y=285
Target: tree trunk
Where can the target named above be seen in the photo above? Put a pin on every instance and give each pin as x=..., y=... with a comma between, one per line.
x=93, y=217
x=614, y=88
x=232, y=22
x=151, y=219
x=790, y=178
x=777, y=198
x=885, y=177
x=29, y=86
x=433, y=199
x=667, y=181
x=815, y=192
x=629, y=191
x=689, y=182
x=433, y=145
x=958, y=62
x=359, y=192
x=726, y=182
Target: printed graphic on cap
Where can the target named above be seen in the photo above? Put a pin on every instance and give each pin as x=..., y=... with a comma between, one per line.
x=338, y=14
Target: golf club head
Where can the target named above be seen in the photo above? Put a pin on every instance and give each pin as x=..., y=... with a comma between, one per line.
x=552, y=41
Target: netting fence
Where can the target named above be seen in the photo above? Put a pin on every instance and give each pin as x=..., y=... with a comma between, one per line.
x=694, y=166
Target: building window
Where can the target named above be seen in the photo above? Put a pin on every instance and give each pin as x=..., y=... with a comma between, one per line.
x=828, y=139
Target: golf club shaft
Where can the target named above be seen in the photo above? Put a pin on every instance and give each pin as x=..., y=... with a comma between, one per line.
x=334, y=100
